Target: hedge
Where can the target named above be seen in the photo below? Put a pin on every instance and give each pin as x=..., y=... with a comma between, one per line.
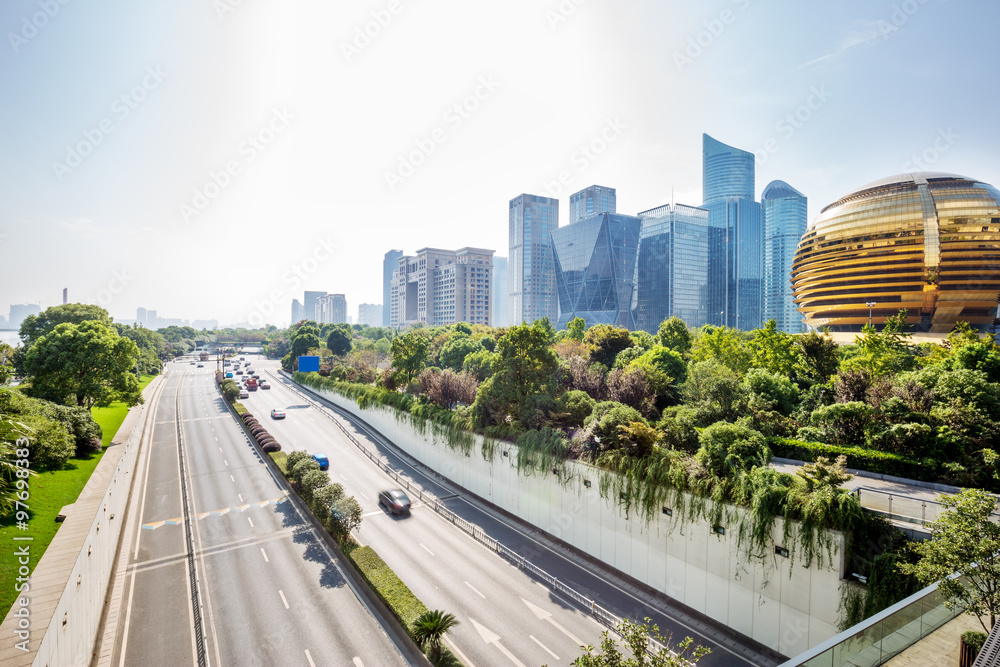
x=858, y=458
x=390, y=588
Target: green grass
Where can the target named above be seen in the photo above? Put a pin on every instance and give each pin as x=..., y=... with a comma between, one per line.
x=280, y=459
x=389, y=587
x=49, y=492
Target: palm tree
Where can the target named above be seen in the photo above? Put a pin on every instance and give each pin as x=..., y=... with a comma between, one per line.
x=429, y=629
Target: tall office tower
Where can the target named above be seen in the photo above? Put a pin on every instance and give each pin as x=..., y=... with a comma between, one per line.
x=671, y=271
x=531, y=276
x=735, y=252
x=152, y=320
x=500, y=297
x=784, y=212
x=65, y=295
x=140, y=316
x=443, y=287
x=296, y=311
x=309, y=300
x=595, y=269
x=331, y=309
x=370, y=314
x=590, y=201
x=389, y=264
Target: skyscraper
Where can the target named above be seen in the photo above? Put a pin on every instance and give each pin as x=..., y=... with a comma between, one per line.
x=389, y=264
x=309, y=300
x=532, y=277
x=296, y=311
x=443, y=287
x=735, y=253
x=370, y=314
x=331, y=309
x=590, y=201
x=500, y=292
x=672, y=267
x=140, y=316
x=595, y=269
x=784, y=211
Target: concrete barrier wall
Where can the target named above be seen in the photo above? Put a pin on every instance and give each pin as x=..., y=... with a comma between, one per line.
x=778, y=603
x=69, y=583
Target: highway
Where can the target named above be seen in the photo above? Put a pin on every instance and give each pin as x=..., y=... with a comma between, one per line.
x=507, y=617
x=271, y=593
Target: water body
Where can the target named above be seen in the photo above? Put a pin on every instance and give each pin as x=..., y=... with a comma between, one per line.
x=10, y=337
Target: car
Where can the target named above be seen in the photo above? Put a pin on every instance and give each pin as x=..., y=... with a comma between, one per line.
x=241, y=358
x=239, y=372
x=229, y=375
x=201, y=365
x=192, y=363
x=395, y=501
x=321, y=459
x=244, y=393
x=265, y=385
x=277, y=414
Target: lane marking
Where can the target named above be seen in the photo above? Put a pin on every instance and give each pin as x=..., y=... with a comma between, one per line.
x=240, y=495
x=342, y=477
x=227, y=463
x=264, y=554
x=556, y=657
x=251, y=521
x=220, y=449
x=357, y=662
x=478, y=593
x=232, y=478
x=216, y=438
x=461, y=656
x=283, y=600
x=426, y=549
x=310, y=659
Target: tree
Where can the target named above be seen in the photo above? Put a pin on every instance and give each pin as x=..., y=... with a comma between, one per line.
x=576, y=328
x=675, y=335
x=345, y=515
x=724, y=345
x=6, y=363
x=339, y=339
x=818, y=356
x=729, y=449
x=773, y=350
x=964, y=541
x=454, y=352
x=429, y=629
x=883, y=352
x=152, y=348
x=606, y=418
x=230, y=390
x=605, y=342
x=409, y=354
x=824, y=473
x=631, y=388
x=35, y=326
x=88, y=363
x=636, y=637
x=305, y=339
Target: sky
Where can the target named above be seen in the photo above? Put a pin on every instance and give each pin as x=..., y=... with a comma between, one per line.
x=213, y=159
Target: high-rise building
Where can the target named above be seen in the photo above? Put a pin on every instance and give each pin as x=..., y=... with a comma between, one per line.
x=141, y=316
x=785, y=216
x=309, y=300
x=500, y=293
x=370, y=314
x=18, y=313
x=443, y=287
x=671, y=273
x=590, y=201
x=65, y=295
x=331, y=309
x=152, y=320
x=389, y=265
x=296, y=311
x=595, y=269
x=735, y=253
x=532, y=277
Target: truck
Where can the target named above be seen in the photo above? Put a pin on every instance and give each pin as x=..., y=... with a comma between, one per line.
x=252, y=384
x=203, y=356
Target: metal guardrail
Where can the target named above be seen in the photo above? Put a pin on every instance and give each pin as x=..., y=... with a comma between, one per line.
x=902, y=507
x=602, y=615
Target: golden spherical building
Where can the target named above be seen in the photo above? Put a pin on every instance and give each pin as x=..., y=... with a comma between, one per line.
x=927, y=242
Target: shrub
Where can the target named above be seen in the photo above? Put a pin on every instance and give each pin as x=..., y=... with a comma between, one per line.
x=80, y=423
x=311, y=482
x=974, y=639
x=576, y=405
x=296, y=457
x=678, y=426
x=392, y=591
x=729, y=449
x=297, y=470
x=605, y=420
x=271, y=447
x=778, y=390
x=859, y=458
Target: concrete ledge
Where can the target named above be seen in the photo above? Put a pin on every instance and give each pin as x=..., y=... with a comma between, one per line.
x=931, y=486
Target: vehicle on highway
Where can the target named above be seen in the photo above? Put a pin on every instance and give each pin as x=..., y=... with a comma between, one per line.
x=229, y=375
x=264, y=385
x=277, y=414
x=244, y=393
x=239, y=372
x=252, y=384
x=321, y=459
x=395, y=501
x=192, y=363
x=241, y=358
x=201, y=365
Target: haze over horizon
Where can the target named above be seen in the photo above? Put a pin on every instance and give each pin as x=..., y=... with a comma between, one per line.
x=213, y=160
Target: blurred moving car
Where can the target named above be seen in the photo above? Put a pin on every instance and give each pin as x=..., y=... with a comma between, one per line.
x=395, y=501
x=277, y=414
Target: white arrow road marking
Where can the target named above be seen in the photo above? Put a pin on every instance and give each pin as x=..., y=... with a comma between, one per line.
x=544, y=647
x=493, y=638
x=543, y=615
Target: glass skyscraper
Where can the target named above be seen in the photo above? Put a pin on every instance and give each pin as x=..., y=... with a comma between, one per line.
x=784, y=211
x=671, y=273
x=735, y=253
x=389, y=264
x=592, y=200
x=531, y=271
x=595, y=269
x=500, y=291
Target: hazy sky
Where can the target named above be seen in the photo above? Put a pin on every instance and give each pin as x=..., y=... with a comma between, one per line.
x=215, y=158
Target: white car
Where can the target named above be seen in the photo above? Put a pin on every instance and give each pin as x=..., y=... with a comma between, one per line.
x=244, y=393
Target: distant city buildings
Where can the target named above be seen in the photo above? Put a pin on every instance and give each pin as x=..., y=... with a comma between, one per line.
x=500, y=292
x=389, y=265
x=309, y=301
x=150, y=320
x=370, y=314
x=331, y=309
x=297, y=311
x=18, y=313
x=590, y=201
x=438, y=286
x=784, y=212
x=531, y=276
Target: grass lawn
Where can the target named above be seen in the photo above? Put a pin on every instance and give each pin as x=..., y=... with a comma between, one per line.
x=50, y=492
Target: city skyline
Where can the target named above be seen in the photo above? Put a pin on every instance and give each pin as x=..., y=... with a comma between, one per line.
x=188, y=130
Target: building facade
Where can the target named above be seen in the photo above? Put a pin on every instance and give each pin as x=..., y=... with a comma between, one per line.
x=440, y=287
x=531, y=276
x=331, y=309
x=297, y=315
x=370, y=314
x=595, y=269
x=735, y=248
x=671, y=277
x=389, y=265
x=309, y=302
x=500, y=307
x=784, y=211
x=592, y=200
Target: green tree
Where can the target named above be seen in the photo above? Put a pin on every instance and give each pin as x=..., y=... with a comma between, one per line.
x=636, y=638
x=605, y=342
x=713, y=391
x=409, y=354
x=429, y=629
x=345, y=515
x=480, y=364
x=606, y=418
x=88, y=363
x=883, y=352
x=6, y=364
x=230, y=390
x=305, y=339
x=35, y=326
x=675, y=335
x=339, y=339
x=729, y=449
x=819, y=356
x=454, y=352
x=576, y=328
x=964, y=541
x=152, y=348
x=724, y=345
x=773, y=350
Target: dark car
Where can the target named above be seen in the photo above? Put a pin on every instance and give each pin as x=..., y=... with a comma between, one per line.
x=239, y=372
x=395, y=501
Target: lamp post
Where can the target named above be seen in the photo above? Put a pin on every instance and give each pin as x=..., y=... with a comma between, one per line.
x=870, y=304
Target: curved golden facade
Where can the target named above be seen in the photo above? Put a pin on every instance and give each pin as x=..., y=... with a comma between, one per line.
x=926, y=242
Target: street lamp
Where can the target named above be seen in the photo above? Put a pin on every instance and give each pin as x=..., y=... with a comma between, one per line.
x=870, y=304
